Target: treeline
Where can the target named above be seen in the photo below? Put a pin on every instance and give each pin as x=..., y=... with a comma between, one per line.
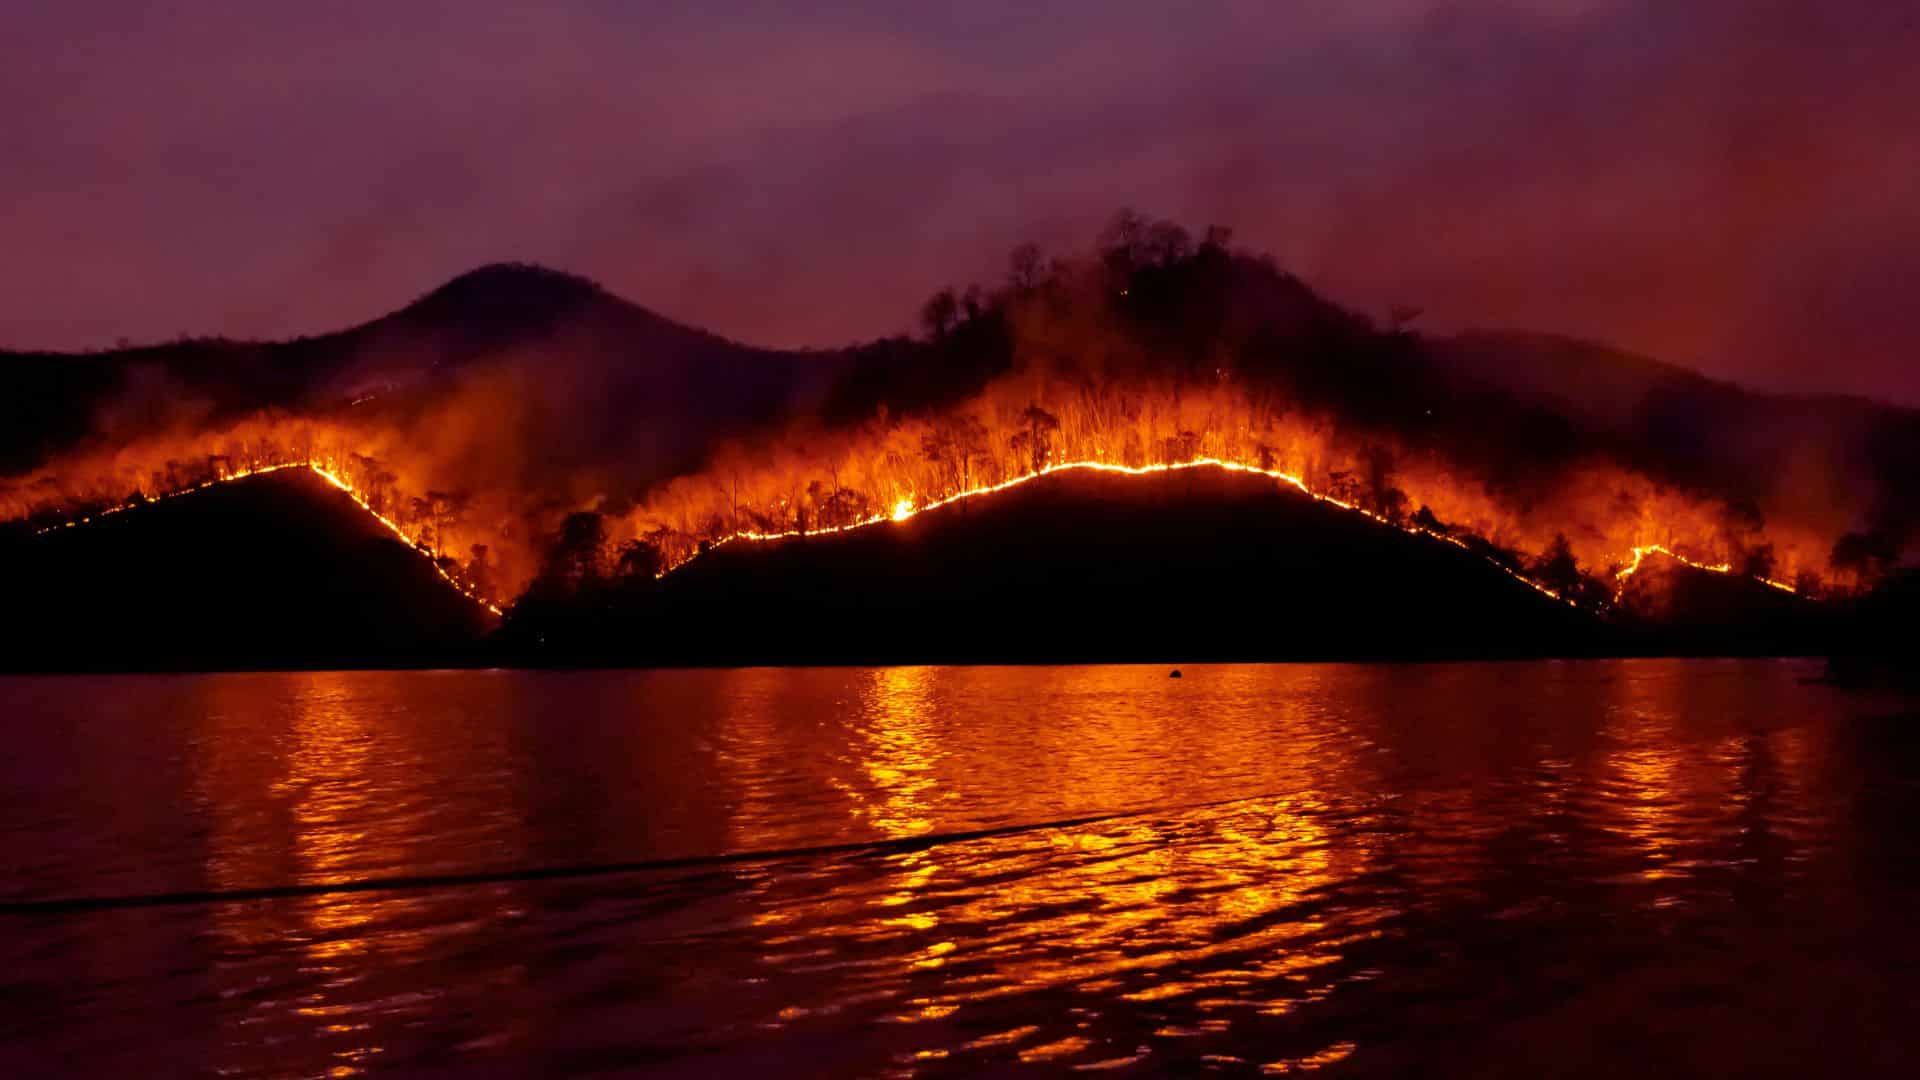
x=1160, y=348
x=453, y=527
x=1156, y=347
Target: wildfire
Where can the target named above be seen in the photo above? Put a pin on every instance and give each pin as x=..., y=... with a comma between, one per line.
x=325, y=472
x=1640, y=554
x=808, y=482
x=1065, y=380
x=905, y=509
x=336, y=480
x=202, y=486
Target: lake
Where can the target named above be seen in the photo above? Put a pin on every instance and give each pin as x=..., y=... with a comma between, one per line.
x=1500, y=869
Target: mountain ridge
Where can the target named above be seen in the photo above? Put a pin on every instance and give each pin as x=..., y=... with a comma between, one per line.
x=553, y=394
x=495, y=316
x=496, y=306
x=270, y=571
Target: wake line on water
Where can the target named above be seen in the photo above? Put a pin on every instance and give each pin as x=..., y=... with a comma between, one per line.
x=70, y=905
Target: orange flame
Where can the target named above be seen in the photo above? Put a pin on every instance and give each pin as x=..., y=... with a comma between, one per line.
x=894, y=470
x=324, y=472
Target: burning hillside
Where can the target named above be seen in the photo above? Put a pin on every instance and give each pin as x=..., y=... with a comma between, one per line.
x=1153, y=355
x=276, y=569
x=1076, y=564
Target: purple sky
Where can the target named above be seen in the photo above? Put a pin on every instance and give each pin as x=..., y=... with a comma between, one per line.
x=1729, y=184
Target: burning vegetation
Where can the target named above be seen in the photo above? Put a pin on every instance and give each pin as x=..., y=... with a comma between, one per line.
x=438, y=523
x=1155, y=353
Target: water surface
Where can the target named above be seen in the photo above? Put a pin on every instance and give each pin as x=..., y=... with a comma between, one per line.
x=1506, y=869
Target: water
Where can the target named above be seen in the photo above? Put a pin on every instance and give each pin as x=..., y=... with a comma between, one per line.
x=1496, y=869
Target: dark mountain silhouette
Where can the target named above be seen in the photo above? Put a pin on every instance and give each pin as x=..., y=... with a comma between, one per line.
x=507, y=300
x=1200, y=564
x=1668, y=607
x=615, y=367
x=546, y=385
x=283, y=570
x=1706, y=433
x=596, y=380
x=278, y=570
x=1518, y=411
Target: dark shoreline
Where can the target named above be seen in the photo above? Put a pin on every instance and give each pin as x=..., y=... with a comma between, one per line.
x=483, y=662
x=284, y=574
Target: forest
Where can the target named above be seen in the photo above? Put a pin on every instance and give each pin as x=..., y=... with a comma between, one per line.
x=1154, y=349
x=1160, y=351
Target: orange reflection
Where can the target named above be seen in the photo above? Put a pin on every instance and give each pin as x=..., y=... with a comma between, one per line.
x=1669, y=794
x=898, y=753
x=1642, y=772
x=307, y=798
x=326, y=769
x=1209, y=914
x=1198, y=915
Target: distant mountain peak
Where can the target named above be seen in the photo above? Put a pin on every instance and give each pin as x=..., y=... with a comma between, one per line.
x=507, y=294
x=520, y=275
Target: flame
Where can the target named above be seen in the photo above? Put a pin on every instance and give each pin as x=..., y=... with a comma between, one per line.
x=905, y=510
x=1640, y=554
x=447, y=504
x=325, y=472
x=340, y=482
x=805, y=482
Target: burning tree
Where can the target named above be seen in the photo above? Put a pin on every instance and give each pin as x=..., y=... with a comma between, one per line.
x=1035, y=442
x=1151, y=353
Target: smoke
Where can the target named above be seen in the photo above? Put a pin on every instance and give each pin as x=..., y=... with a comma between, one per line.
x=479, y=416
x=150, y=398
x=1152, y=350
x=1722, y=183
x=1152, y=354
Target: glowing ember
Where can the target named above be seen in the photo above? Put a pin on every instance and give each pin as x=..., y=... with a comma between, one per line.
x=1640, y=554
x=808, y=483
x=335, y=479
x=904, y=509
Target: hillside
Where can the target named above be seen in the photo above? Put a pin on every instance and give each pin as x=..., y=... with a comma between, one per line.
x=1704, y=432
x=1668, y=607
x=489, y=417
x=611, y=367
x=1204, y=348
x=1076, y=566
x=285, y=570
x=280, y=570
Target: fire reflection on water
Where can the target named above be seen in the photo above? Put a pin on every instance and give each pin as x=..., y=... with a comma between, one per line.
x=1195, y=916
x=317, y=804
x=897, y=752
x=1661, y=788
x=1300, y=863
x=1192, y=924
x=1276, y=846
x=326, y=784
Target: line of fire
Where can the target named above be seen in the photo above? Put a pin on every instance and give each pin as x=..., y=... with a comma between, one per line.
x=1153, y=354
